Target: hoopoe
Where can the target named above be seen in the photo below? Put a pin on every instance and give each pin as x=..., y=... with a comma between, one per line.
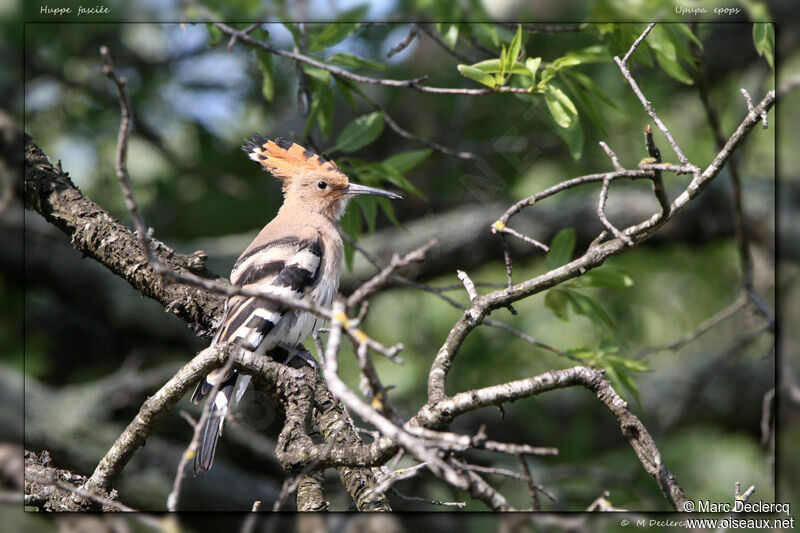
x=298, y=253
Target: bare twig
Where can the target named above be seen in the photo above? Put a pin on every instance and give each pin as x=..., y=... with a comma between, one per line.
x=122, y=152
x=601, y=213
x=430, y=501
x=526, y=475
x=245, y=31
x=502, y=228
x=194, y=444
x=749, y=102
x=468, y=284
x=402, y=45
x=386, y=275
x=443, y=45
x=603, y=505
x=545, y=28
x=415, y=83
x=438, y=292
x=719, y=317
x=402, y=132
x=151, y=411
x=636, y=44
x=610, y=153
x=648, y=107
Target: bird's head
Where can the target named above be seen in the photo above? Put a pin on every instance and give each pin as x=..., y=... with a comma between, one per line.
x=310, y=182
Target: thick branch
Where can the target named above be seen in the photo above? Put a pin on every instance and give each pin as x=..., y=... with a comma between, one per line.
x=151, y=411
x=92, y=231
x=445, y=410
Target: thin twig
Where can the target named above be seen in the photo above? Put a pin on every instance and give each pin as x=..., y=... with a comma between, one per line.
x=526, y=475
x=402, y=132
x=636, y=44
x=438, y=292
x=402, y=45
x=601, y=213
x=122, y=153
x=468, y=284
x=648, y=107
x=749, y=102
x=385, y=276
x=443, y=45
x=191, y=450
x=547, y=28
x=430, y=501
x=738, y=304
x=415, y=83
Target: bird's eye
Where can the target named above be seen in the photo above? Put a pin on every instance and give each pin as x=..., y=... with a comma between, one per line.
x=322, y=185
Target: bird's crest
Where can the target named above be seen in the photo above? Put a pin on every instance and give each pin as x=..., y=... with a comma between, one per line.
x=285, y=159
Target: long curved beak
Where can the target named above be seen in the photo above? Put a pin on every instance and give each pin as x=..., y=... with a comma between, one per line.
x=354, y=188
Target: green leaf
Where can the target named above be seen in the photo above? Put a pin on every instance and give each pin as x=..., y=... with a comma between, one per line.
x=294, y=29
x=321, y=109
x=492, y=66
x=556, y=301
x=337, y=31
x=607, y=278
x=573, y=137
x=319, y=74
x=388, y=209
x=584, y=100
x=660, y=42
x=627, y=363
x=620, y=379
x=369, y=208
x=582, y=353
x=477, y=75
x=532, y=64
x=764, y=40
x=449, y=34
x=351, y=225
x=597, y=53
x=359, y=133
x=544, y=78
x=268, y=77
x=589, y=85
x=489, y=33
x=560, y=248
x=566, y=61
x=608, y=346
x=405, y=161
x=586, y=306
x=514, y=49
x=331, y=35
x=561, y=107
x=349, y=60
x=214, y=34
x=373, y=173
x=393, y=176
x=684, y=29
x=347, y=93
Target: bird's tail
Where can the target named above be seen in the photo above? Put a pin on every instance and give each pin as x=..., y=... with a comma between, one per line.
x=213, y=426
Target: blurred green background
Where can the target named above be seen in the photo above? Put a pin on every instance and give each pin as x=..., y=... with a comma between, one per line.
x=195, y=100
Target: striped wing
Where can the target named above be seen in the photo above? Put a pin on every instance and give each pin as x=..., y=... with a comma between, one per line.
x=288, y=266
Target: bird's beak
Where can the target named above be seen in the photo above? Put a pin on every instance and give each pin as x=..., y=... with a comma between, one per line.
x=354, y=188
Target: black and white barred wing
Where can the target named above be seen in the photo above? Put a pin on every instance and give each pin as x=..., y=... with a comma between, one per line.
x=286, y=267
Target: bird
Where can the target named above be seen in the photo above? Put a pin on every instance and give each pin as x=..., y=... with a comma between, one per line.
x=298, y=253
